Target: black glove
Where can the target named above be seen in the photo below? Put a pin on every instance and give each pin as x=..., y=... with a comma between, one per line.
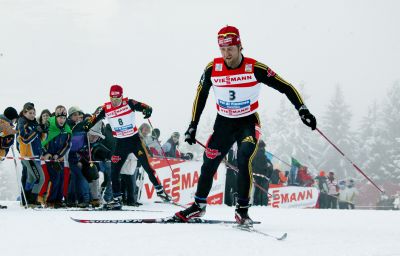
x=190, y=134
x=147, y=112
x=307, y=118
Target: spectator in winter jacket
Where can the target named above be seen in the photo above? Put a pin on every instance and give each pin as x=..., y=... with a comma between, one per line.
x=150, y=139
x=55, y=147
x=29, y=145
x=304, y=177
x=342, y=195
x=75, y=115
x=323, y=190
x=84, y=174
x=333, y=191
x=7, y=131
x=351, y=193
x=154, y=144
x=279, y=177
x=262, y=171
x=44, y=120
x=171, y=147
x=145, y=133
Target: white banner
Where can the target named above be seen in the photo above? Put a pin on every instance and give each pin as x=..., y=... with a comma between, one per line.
x=292, y=197
x=181, y=182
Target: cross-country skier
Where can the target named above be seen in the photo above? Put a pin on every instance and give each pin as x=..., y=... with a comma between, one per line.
x=235, y=80
x=120, y=113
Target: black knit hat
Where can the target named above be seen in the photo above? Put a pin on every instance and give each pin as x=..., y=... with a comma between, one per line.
x=10, y=113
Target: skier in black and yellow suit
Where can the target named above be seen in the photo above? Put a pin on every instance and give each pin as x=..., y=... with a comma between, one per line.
x=236, y=81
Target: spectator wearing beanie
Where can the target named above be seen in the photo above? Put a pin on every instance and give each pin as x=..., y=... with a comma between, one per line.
x=55, y=147
x=7, y=132
x=75, y=115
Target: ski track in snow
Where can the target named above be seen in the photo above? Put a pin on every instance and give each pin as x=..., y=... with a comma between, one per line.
x=310, y=232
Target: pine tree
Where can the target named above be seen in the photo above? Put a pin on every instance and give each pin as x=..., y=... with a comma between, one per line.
x=336, y=125
x=370, y=143
x=291, y=138
x=391, y=133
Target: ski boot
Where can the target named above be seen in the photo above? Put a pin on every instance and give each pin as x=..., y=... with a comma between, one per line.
x=242, y=216
x=196, y=210
x=163, y=195
x=95, y=203
x=114, y=205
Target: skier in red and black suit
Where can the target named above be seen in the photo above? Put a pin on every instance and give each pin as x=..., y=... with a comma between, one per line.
x=120, y=113
x=236, y=81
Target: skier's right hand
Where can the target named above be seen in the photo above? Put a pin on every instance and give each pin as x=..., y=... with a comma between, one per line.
x=190, y=134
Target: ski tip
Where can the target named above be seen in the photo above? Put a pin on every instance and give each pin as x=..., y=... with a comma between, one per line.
x=283, y=237
x=79, y=221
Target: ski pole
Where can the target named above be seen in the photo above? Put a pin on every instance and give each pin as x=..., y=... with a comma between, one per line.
x=19, y=182
x=355, y=166
x=286, y=163
x=90, y=150
x=162, y=150
x=236, y=170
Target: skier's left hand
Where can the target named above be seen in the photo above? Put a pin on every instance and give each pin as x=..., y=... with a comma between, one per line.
x=147, y=112
x=307, y=118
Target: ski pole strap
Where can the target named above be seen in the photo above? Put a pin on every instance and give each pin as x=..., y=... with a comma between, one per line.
x=354, y=165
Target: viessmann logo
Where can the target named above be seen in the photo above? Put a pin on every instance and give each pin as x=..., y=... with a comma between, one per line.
x=118, y=111
x=232, y=79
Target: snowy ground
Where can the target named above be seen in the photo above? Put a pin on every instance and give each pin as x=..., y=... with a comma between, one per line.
x=310, y=232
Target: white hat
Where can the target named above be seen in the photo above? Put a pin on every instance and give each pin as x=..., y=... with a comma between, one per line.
x=74, y=109
x=96, y=130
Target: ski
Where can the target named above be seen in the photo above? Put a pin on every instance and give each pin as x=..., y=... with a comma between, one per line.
x=253, y=230
x=168, y=220
x=93, y=210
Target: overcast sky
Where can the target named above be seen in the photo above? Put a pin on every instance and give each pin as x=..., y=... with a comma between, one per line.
x=70, y=51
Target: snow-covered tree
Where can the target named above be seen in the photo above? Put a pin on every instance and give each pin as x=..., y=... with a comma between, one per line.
x=391, y=133
x=289, y=137
x=370, y=144
x=335, y=125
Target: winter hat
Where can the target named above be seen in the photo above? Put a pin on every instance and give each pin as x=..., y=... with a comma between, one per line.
x=155, y=133
x=28, y=106
x=322, y=173
x=60, y=111
x=228, y=36
x=175, y=134
x=11, y=113
x=96, y=130
x=73, y=110
x=116, y=91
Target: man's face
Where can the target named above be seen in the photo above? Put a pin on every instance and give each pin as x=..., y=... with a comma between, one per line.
x=76, y=117
x=116, y=102
x=231, y=55
x=61, y=120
